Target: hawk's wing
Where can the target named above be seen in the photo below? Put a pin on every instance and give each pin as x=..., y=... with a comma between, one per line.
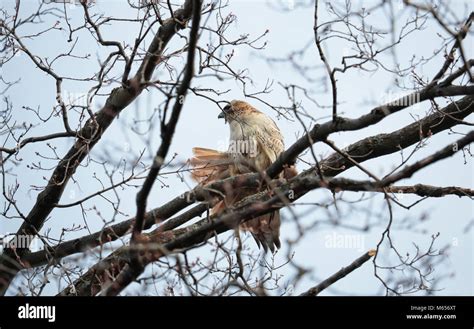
x=270, y=142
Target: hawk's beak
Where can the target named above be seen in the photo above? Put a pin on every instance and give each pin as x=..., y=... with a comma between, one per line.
x=222, y=115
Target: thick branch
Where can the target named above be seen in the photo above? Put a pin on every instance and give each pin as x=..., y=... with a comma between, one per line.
x=430, y=191
x=321, y=132
x=382, y=144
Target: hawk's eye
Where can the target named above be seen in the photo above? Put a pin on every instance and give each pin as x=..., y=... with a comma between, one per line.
x=227, y=109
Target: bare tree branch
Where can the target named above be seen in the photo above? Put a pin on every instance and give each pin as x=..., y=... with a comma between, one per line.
x=89, y=135
x=314, y=291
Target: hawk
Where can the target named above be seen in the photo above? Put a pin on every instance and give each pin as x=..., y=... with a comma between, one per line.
x=255, y=143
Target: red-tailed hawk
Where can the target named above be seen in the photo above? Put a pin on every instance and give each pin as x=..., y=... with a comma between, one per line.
x=255, y=143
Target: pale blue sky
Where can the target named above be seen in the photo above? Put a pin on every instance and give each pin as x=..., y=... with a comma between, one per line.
x=358, y=92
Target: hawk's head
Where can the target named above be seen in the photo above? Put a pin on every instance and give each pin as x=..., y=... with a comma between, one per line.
x=238, y=111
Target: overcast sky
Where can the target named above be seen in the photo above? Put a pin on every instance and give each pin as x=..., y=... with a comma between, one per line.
x=358, y=92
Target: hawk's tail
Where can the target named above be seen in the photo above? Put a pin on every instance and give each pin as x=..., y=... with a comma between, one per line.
x=209, y=165
x=265, y=230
